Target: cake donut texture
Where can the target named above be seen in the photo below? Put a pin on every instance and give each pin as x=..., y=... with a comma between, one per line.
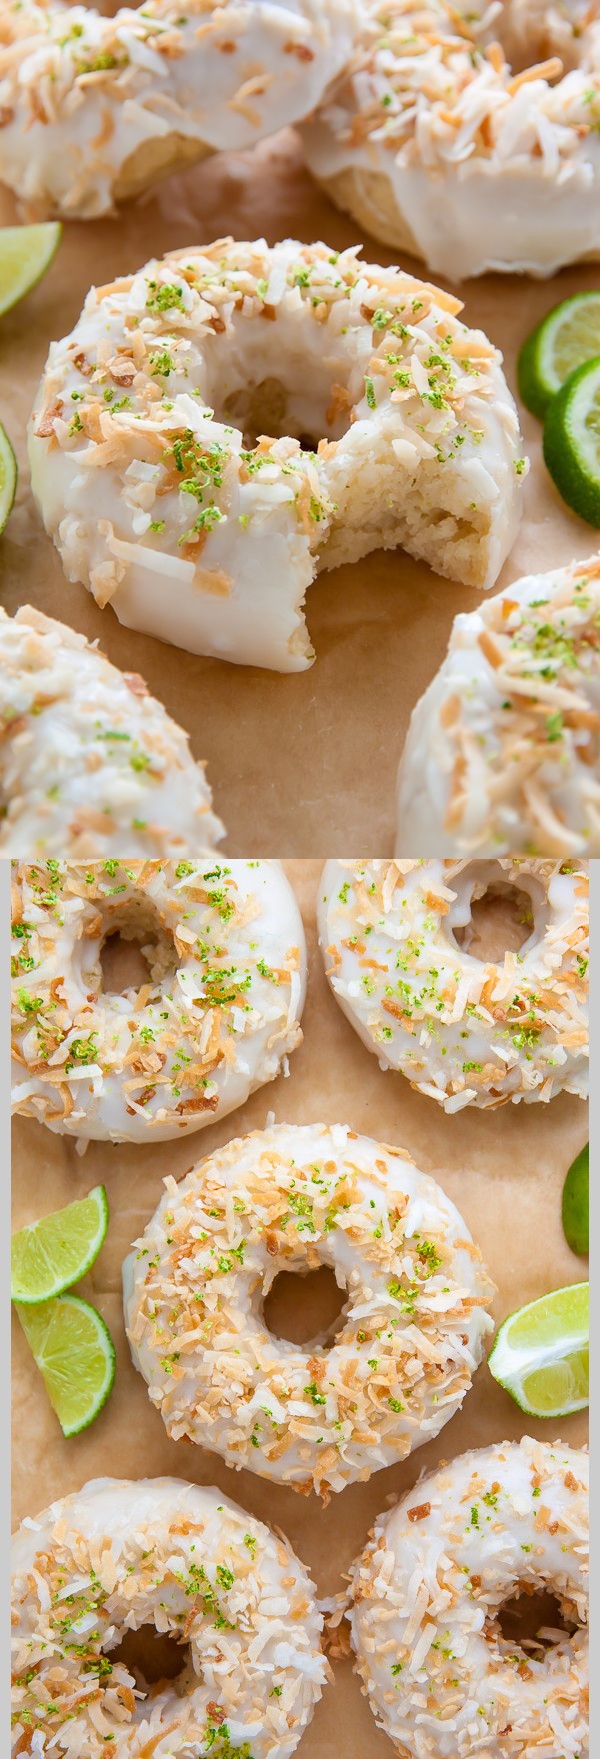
x=409, y=1339
x=229, y=419
x=217, y=1018
x=465, y=1031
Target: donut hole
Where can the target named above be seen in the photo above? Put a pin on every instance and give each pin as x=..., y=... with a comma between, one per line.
x=271, y=379
x=264, y=408
x=501, y=921
x=534, y=1619
x=311, y=1315
x=153, y=1658
x=135, y=950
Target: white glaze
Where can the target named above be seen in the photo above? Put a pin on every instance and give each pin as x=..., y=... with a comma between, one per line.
x=93, y=108
x=524, y=197
x=502, y=752
x=464, y=1031
x=90, y=763
x=189, y=1561
x=412, y=450
x=441, y=1678
x=217, y=1018
x=405, y=1349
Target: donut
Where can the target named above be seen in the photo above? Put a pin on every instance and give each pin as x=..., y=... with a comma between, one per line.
x=403, y=1353
x=426, y=1595
x=216, y=1019
x=119, y=1554
x=161, y=500
x=435, y=146
x=463, y=1030
x=94, y=110
x=503, y=750
x=90, y=763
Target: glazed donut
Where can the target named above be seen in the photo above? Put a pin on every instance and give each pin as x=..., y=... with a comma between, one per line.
x=405, y=1348
x=464, y=1031
x=435, y=147
x=503, y=750
x=95, y=109
x=157, y=504
x=117, y=1555
x=216, y=1019
x=91, y=764
x=425, y=1596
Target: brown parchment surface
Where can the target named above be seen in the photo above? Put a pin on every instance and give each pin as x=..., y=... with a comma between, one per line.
x=301, y=764
x=503, y=1169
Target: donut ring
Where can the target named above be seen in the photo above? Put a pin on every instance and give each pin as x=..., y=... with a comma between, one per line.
x=407, y=1345
x=91, y=764
x=436, y=148
x=425, y=1596
x=117, y=1555
x=155, y=502
x=503, y=750
x=95, y=109
x=216, y=1019
x=463, y=1031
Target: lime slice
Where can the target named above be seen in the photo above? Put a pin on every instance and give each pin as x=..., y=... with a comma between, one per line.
x=572, y=441
x=75, y=1355
x=566, y=338
x=540, y=1354
x=8, y=477
x=50, y=1255
x=25, y=254
x=576, y=1204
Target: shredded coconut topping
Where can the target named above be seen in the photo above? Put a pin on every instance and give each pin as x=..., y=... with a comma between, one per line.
x=503, y=750
x=441, y=147
x=205, y=530
x=90, y=762
x=94, y=109
x=218, y=1016
x=407, y=1344
x=117, y=1555
x=425, y=1596
x=465, y=1031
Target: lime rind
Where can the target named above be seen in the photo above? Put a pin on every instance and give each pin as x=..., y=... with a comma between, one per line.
x=67, y=1336
x=26, y=252
x=37, y=1250
x=559, y=345
x=575, y=1204
x=563, y=1312
x=8, y=477
x=540, y=1353
x=572, y=442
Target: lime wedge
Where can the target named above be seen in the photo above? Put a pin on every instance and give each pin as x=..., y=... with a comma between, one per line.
x=576, y=1204
x=25, y=254
x=75, y=1355
x=566, y=338
x=541, y=1353
x=50, y=1255
x=572, y=441
x=8, y=477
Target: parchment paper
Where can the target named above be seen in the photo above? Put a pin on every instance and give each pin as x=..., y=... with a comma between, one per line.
x=306, y=763
x=503, y=1169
